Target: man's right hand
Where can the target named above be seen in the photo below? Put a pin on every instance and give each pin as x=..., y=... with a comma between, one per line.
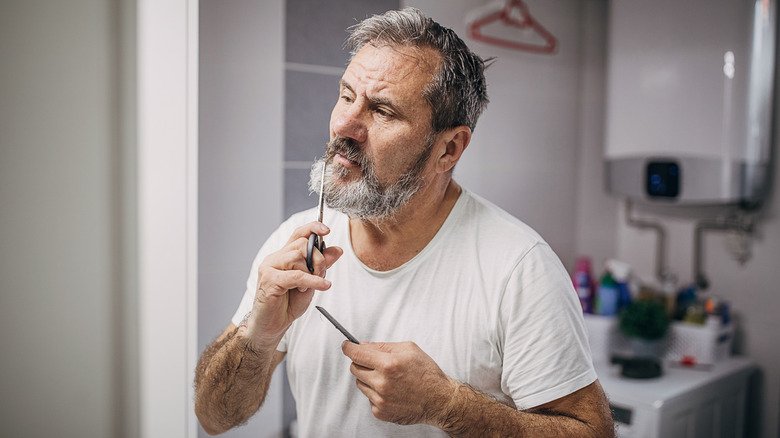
x=233, y=374
x=285, y=287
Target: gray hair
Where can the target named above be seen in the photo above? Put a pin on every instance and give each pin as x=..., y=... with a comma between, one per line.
x=457, y=93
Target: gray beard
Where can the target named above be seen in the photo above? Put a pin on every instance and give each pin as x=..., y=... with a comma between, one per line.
x=366, y=198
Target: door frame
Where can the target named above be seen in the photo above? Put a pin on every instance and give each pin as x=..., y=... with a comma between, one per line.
x=166, y=73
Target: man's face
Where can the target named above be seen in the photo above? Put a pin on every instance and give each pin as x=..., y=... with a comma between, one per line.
x=380, y=133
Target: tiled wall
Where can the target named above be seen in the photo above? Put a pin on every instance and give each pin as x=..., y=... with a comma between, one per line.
x=314, y=62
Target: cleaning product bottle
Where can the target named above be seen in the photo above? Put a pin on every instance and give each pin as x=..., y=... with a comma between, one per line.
x=607, y=297
x=621, y=272
x=583, y=283
x=624, y=295
x=670, y=294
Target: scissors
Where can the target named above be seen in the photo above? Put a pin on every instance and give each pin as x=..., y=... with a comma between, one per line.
x=316, y=241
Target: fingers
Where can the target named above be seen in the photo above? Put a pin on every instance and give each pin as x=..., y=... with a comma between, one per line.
x=389, y=359
x=362, y=374
x=293, y=258
x=367, y=379
x=368, y=391
x=285, y=287
x=379, y=375
x=401, y=382
x=278, y=282
x=358, y=353
x=365, y=349
x=304, y=230
x=370, y=355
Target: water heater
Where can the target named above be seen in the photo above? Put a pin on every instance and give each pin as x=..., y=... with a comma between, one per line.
x=690, y=88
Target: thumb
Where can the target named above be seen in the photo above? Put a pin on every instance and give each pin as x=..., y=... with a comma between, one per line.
x=362, y=354
x=332, y=254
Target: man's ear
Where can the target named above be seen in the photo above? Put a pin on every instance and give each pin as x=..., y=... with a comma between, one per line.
x=454, y=141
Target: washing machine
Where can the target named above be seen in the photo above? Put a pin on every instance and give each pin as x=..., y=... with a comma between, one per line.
x=685, y=402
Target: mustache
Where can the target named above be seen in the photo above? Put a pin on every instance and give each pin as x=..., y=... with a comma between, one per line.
x=347, y=148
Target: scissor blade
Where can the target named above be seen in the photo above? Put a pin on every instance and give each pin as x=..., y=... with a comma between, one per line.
x=338, y=326
x=320, y=206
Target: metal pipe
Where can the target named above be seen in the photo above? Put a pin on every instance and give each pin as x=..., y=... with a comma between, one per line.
x=740, y=223
x=660, y=249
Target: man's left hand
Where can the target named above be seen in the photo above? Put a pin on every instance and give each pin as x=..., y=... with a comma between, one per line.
x=403, y=384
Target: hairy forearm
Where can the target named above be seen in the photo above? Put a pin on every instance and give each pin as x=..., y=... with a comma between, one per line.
x=231, y=382
x=474, y=414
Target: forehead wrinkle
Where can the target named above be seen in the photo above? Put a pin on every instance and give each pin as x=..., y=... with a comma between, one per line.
x=428, y=57
x=378, y=76
x=392, y=70
x=386, y=79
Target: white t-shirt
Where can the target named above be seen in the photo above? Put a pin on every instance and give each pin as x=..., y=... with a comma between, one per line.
x=487, y=299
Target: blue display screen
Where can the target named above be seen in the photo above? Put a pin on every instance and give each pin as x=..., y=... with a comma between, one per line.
x=663, y=179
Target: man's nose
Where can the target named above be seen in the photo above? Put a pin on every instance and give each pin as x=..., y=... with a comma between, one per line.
x=348, y=121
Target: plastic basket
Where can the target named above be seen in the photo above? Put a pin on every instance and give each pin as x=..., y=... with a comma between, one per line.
x=704, y=344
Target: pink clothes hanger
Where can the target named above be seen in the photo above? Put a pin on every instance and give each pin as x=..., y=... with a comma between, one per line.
x=504, y=16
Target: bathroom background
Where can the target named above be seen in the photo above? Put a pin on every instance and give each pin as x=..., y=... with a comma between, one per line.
x=537, y=152
x=268, y=75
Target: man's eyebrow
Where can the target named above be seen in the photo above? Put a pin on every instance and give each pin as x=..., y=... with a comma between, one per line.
x=375, y=101
x=345, y=84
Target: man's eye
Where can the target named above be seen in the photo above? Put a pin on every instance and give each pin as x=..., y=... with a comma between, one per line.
x=346, y=98
x=383, y=113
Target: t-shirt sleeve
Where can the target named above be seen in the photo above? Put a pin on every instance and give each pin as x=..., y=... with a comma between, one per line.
x=274, y=243
x=251, y=285
x=545, y=348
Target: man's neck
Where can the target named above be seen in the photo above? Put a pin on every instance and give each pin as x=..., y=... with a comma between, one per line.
x=387, y=244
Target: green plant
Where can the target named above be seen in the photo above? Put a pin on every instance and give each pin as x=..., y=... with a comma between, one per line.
x=644, y=319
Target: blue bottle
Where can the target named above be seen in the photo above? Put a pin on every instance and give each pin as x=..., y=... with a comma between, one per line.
x=608, y=296
x=621, y=272
x=624, y=295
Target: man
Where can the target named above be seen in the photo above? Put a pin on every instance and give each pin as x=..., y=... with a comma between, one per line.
x=480, y=330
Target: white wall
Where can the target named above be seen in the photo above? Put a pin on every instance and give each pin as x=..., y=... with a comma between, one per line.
x=240, y=174
x=752, y=288
x=62, y=219
x=597, y=213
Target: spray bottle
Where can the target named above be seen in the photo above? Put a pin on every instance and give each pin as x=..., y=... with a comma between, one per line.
x=621, y=272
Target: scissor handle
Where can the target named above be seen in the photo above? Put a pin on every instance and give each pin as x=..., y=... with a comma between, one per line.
x=314, y=242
